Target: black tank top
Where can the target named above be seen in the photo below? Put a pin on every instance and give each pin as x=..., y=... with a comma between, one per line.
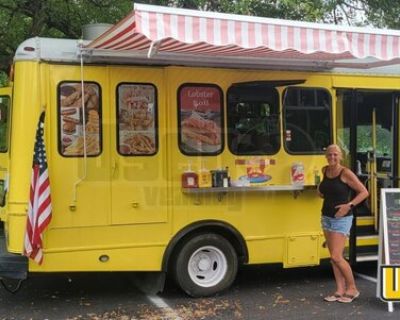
x=335, y=192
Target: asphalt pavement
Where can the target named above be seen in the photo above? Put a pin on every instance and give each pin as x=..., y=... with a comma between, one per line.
x=259, y=292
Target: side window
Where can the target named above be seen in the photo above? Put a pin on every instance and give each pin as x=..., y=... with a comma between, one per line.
x=253, y=120
x=4, y=122
x=307, y=120
x=72, y=120
x=137, y=119
x=200, y=119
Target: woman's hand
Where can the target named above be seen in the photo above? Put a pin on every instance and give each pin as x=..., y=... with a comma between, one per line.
x=342, y=210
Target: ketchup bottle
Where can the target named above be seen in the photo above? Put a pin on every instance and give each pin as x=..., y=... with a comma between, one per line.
x=190, y=179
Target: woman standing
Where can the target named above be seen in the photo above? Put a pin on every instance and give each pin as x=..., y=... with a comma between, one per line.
x=337, y=218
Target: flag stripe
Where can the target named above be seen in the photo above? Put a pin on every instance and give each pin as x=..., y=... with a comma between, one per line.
x=40, y=209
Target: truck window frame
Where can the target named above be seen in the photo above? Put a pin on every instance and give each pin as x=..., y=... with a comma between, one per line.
x=155, y=120
x=59, y=126
x=221, y=120
x=7, y=123
x=257, y=97
x=307, y=108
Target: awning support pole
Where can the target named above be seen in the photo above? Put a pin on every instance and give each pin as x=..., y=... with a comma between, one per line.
x=155, y=45
x=83, y=177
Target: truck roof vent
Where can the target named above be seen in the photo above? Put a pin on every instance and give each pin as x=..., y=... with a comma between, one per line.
x=93, y=30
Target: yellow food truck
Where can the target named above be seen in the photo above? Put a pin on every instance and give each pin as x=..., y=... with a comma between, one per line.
x=191, y=155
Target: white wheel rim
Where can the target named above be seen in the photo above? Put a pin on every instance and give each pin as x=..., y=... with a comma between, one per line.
x=207, y=266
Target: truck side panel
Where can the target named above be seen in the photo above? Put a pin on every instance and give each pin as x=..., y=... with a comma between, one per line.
x=127, y=207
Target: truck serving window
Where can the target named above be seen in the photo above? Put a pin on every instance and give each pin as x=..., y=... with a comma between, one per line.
x=136, y=119
x=307, y=120
x=72, y=121
x=200, y=119
x=253, y=119
x=4, y=122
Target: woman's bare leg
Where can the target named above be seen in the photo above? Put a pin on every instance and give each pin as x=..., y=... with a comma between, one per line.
x=339, y=279
x=341, y=268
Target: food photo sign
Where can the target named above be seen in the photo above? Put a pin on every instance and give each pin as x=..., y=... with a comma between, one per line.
x=137, y=119
x=200, y=119
x=74, y=121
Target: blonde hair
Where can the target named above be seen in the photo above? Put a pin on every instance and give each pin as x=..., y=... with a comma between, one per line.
x=336, y=148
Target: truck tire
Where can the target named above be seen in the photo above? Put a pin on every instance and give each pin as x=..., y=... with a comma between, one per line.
x=205, y=265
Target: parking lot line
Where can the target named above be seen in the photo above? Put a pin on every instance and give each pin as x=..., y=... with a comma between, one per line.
x=363, y=276
x=166, y=309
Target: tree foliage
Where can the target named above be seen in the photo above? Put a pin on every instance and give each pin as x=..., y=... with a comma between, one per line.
x=22, y=19
x=383, y=13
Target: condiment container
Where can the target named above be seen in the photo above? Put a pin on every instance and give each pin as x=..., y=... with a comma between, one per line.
x=204, y=178
x=317, y=177
x=297, y=174
x=218, y=177
x=190, y=179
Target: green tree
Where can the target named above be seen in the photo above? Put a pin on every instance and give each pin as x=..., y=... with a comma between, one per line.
x=383, y=13
x=3, y=79
x=22, y=19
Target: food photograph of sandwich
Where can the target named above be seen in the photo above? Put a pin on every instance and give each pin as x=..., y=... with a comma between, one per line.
x=200, y=119
x=78, y=106
x=136, y=119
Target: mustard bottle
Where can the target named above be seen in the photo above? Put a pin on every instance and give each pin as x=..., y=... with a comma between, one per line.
x=204, y=178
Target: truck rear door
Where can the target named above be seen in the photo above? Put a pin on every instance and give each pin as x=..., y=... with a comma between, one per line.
x=138, y=157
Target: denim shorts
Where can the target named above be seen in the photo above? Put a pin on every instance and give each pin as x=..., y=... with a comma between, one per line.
x=340, y=225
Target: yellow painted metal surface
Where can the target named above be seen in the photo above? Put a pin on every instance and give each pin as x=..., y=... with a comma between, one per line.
x=28, y=101
x=302, y=250
x=127, y=209
x=365, y=221
x=375, y=82
x=368, y=241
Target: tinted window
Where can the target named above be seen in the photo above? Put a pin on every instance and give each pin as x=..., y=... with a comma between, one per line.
x=253, y=120
x=307, y=120
x=4, y=122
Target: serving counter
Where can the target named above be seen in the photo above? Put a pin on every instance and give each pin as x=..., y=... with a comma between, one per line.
x=222, y=191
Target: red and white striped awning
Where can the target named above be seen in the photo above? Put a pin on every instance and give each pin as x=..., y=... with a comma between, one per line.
x=171, y=34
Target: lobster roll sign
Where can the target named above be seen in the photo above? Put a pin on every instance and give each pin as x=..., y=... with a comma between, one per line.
x=200, y=119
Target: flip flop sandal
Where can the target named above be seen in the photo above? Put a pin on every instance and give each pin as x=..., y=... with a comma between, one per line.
x=332, y=298
x=348, y=298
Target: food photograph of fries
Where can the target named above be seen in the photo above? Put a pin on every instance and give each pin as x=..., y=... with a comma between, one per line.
x=200, y=119
x=136, y=119
x=77, y=105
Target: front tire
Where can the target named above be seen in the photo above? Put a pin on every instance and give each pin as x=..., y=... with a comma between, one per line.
x=205, y=265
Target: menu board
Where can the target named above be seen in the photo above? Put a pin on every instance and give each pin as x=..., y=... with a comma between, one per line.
x=391, y=226
x=389, y=247
x=200, y=114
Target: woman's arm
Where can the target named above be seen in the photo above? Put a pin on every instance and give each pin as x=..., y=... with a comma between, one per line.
x=323, y=174
x=354, y=183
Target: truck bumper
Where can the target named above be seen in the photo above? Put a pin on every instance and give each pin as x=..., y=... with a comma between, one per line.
x=12, y=266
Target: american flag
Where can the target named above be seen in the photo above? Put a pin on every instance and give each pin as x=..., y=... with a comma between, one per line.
x=39, y=212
